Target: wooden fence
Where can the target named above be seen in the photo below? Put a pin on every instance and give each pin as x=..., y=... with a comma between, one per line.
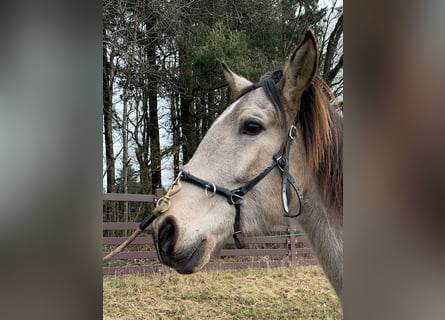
x=285, y=246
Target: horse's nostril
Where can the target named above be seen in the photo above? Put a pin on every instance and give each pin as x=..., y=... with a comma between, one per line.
x=167, y=235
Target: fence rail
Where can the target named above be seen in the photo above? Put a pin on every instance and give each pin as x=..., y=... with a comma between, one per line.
x=286, y=246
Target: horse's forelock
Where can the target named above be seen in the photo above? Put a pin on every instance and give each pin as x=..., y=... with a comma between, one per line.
x=269, y=84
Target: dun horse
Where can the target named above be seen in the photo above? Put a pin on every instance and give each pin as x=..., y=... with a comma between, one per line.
x=277, y=148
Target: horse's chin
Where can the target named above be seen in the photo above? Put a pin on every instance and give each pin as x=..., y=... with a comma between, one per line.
x=197, y=259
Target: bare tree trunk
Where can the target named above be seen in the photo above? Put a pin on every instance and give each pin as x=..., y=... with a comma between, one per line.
x=330, y=71
x=152, y=91
x=189, y=138
x=174, y=117
x=155, y=147
x=125, y=160
x=143, y=152
x=108, y=129
x=108, y=123
x=199, y=114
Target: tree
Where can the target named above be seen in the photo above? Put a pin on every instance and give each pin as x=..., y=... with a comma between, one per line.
x=331, y=47
x=161, y=70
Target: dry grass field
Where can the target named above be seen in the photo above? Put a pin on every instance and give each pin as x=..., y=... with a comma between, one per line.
x=269, y=293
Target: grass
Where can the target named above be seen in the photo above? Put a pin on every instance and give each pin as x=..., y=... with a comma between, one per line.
x=268, y=293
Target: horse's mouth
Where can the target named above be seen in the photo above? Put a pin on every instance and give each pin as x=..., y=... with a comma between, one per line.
x=187, y=263
x=194, y=263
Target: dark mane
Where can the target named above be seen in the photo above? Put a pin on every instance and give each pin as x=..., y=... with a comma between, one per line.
x=322, y=129
x=269, y=84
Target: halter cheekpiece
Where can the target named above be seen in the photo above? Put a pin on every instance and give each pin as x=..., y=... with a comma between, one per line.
x=280, y=160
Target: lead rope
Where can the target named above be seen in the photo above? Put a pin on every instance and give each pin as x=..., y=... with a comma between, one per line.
x=162, y=206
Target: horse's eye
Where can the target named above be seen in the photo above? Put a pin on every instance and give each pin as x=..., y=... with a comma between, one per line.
x=252, y=127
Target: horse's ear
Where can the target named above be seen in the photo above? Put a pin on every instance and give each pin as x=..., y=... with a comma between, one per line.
x=300, y=69
x=236, y=82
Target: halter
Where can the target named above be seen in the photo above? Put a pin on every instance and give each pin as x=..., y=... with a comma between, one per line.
x=235, y=196
x=280, y=160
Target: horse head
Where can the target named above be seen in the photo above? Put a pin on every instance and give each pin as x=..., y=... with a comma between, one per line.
x=261, y=157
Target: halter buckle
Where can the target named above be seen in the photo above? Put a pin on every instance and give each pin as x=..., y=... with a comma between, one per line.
x=235, y=198
x=280, y=162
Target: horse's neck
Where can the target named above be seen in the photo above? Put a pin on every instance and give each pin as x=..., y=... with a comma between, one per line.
x=325, y=233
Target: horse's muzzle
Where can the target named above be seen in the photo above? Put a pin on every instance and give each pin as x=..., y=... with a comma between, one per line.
x=184, y=261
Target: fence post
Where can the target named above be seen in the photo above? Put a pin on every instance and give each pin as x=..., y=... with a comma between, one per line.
x=159, y=192
x=291, y=229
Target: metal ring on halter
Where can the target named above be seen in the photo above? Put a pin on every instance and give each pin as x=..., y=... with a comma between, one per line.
x=166, y=201
x=236, y=198
x=292, y=132
x=207, y=187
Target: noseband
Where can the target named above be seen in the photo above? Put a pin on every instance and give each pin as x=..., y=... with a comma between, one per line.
x=235, y=196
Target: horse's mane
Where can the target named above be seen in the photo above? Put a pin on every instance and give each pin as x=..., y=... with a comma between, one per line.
x=322, y=129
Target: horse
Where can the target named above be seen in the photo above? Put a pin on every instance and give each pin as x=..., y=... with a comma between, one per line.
x=276, y=149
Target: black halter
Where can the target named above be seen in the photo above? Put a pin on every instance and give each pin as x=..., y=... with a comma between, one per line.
x=235, y=196
x=280, y=160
